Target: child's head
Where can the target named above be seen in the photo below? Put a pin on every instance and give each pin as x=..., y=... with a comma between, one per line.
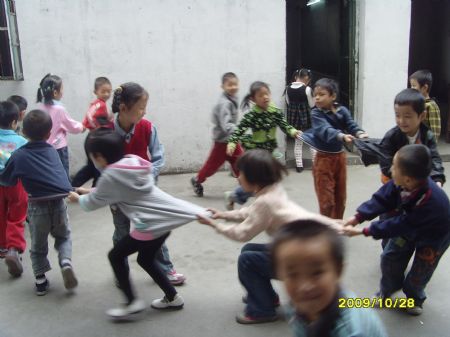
x=21, y=103
x=258, y=169
x=411, y=166
x=302, y=75
x=37, y=125
x=308, y=256
x=102, y=88
x=50, y=88
x=230, y=83
x=104, y=147
x=9, y=115
x=259, y=94
x=130, y=102
x=409, y=106
x=326, y=91
x=421, y=81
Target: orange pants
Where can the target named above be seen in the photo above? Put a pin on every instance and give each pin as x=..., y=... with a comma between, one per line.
x=330, y=180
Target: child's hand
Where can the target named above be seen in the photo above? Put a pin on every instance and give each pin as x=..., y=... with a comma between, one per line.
x=350, y=222
x=215, y=213
x=351, y=231
x=82, y=190
x=298, y=134
x=363, y=135
x=73, y=197
x=205, y=221
x=439, y=184
x=231, y=147
x=348, y=138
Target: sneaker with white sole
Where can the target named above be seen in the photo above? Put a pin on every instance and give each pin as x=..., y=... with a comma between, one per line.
x=42, y=285
x=176, y=279
x=70, y=280
x=127, y=311
x=14, y=262
x=164, y=303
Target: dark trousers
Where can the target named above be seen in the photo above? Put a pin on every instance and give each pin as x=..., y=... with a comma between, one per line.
x=86, y=173
x=146, y=259
x=64, y=156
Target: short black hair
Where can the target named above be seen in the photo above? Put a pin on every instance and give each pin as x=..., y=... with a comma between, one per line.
x=329, y=85
x=411, y=97
x=107, y=143
x=20, y=101
x=260, y=167
x=9, y=112
x=414, y=161
x=99, y=81
x=306, y=230
x=37, y=124
x=423, y=77
x=228, y=76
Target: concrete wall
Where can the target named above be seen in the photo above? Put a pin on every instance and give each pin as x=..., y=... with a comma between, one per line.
x=177, y=50
x=384, y=28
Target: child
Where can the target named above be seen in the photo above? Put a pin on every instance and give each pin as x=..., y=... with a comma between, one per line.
x=22, y=104
x=308, y=257
x=421, y=81
x=224, y=117
x=38, y=166
x=259, y=173
x=141, y=139
x=420, y=225
x=13, y=199
x=97, y=116
x=126, y=181
x=409, y=106
x=263, y=119
x=49, y=94
x=332, y=126
x=299, y=102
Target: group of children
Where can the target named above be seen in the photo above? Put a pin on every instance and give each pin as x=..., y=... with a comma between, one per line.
x=125, y=157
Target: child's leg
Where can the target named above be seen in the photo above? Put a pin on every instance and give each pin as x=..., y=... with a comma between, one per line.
x=3, y=215
x=340, y=191
x=233, y=159
x=121, y=224
x=64, y=156
x=324, y=184
x=17, y=213
x=240, y=196
x=163, y=257
x=298, y=152
x=215, y=160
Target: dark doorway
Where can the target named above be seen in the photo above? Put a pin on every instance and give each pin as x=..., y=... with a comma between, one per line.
x=429, y=48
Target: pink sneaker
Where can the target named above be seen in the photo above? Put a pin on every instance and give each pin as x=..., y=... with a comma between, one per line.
x=175, y=278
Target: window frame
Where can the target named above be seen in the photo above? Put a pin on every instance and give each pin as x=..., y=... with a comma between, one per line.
x=14, y=62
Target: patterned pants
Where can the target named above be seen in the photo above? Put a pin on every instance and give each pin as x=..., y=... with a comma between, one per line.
x=298, y=152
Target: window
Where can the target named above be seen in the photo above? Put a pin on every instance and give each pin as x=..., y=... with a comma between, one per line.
x=10, y=62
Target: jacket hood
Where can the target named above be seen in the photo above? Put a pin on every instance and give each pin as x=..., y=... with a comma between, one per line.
x=132, y=171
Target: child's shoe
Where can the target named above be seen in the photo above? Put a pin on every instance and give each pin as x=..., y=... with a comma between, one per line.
x=127, y=311
x=415, y=310
x=42, y=285
x=3, y=252
x=176, y=279
x=299, y=169
x=14, y=262
x=229, y=201
x=243, y=318
x=70, y=281
x=164, y=303
x=198, y=188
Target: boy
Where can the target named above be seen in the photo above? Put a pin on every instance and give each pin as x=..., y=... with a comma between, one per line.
x=420, y=224
x=38, y=166
x=421, y=81
x=22, y=104
x=308, y=257
x=97, y=116
x=224, y=117
x=126, y=182
x=409, y=106
x=13, y=199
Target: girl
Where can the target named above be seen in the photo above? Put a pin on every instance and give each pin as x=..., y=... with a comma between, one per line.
x=332, y=126
x=49, y=95
x=299, y=102
x=263, y=118
x=141, y=139
x=259, y=173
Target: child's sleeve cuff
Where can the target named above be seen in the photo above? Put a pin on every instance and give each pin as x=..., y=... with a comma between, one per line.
x=366, y=231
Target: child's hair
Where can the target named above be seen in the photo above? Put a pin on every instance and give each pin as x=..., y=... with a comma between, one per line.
x=414, y=161
x=47, y=86
x=412, y=98
x=254, y=88
x=329, y=85
x=107, y=143
x=99, y=81
x=423, y=77
x=300, y=73
x=260, y=167
x=37, y=124
x=128, y=93
x=307, y=230
x=228, y=76
x=21, y=102
x=9, y=112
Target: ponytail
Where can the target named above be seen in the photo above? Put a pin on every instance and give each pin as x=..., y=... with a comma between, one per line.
x=246, y=101
x=255, y=87
x=47, y=87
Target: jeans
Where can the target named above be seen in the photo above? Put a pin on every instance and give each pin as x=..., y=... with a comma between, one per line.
x=48, y=217
x=147, y=251
x=122, y=229
x=394, y=261
x=240, y=196
x=255, y=273
x=64, y=156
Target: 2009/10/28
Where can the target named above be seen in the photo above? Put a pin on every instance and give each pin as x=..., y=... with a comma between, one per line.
x=376, y=302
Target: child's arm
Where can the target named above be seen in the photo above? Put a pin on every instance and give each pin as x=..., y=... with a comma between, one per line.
x=350, y=124
x=285, y=126
x=437, y=170
x=9, y=176
x=323, y=129
x=69, y=124
x=388, y=148
x=156, y=150
x=246, y=122
x=309, y=96
x=106, y=193
x=434, y=119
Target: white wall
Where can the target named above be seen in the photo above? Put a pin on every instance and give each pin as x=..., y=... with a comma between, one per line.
x=177, y=50
x=383, y=56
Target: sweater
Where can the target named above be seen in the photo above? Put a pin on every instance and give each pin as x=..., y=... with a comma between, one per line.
x=9, y=142
x=129, y=185
x=97, y=116
x=224, y=117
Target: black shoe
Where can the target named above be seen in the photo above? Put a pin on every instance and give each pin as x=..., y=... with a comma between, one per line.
x=198, y=188
x=299, y=169
x=42, y=286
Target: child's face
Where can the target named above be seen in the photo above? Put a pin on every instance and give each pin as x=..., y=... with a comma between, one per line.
x=323, y=98
x=407, y=119
x=58, y=94
x=231, y=86
x=134, y=114
x=99, y=161
x=103, y=92
x=416, y=86
x=262, y=98
x=309, y=273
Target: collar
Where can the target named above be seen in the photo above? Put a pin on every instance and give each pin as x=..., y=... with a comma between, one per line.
x=298, y=84
x=271, y=108
x=122, y=132
x=6, y=132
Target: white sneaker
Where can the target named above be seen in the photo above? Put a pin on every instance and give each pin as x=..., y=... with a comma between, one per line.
x=164, y=303
x=126, y=311
x=69, y=278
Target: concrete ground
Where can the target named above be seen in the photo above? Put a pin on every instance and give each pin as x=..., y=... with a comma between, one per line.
x=212, y=292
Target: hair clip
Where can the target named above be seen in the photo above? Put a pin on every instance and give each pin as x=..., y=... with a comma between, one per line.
x=118, y=90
